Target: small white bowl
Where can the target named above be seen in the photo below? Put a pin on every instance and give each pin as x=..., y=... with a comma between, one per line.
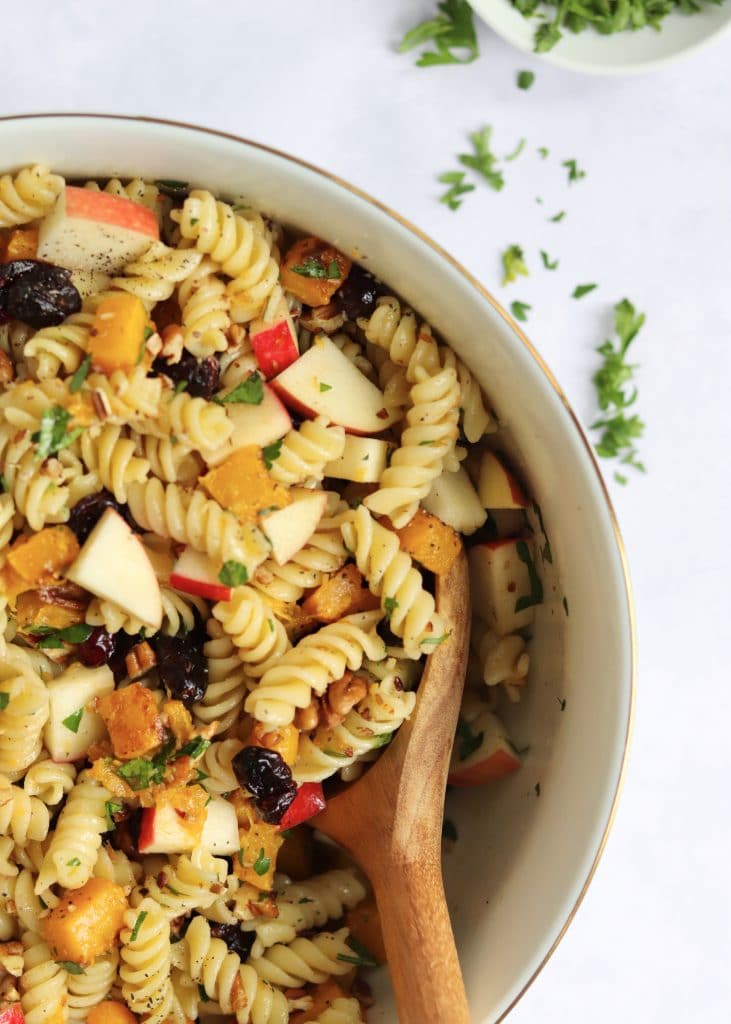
x=523, y=861
x=625, y=53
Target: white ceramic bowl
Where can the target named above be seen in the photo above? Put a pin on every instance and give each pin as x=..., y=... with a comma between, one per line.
x=625, y=53
x=522, y=862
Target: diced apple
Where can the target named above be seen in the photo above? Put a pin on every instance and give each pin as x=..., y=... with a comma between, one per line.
x=363, y=460
x=257, y=425
x=195, y=573
x=113, y=565
x=162, y=830
x=498, y=487
x=494, y=757
x=324, y=382
x=221, y=829
x=455, y=501
x=89, y=282
x=71, y=728
x=499, y=578
x=274, y=342
x=12, y=1013
x=95, y=231
x=288, y=529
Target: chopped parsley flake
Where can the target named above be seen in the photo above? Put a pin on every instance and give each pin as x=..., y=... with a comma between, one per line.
x=271, y=453
x=452, y=29
x=457, y=188
x=558, y=217
x=517, y=151
x=73, y=863
x=575, y=172
x=362, y=957
x=248, y=392
x=536, y=587
x=73, y=722
x=520, y=310
x=325, y=387
x=111, y=807
x=314, y=267
x=80, y=376
x=513, y=264
x=390, y=604
x=4, y=700
x=483, y=160
x=50, y=638
x=233, y=574
x=71, y=967
x=53, y=436
x=544, y=152
x=262, y=863
x=137, y=925
x=526, y=79
x=581, y=290
x=548, y=263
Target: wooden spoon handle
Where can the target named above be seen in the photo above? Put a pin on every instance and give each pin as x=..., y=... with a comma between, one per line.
x=422, y=956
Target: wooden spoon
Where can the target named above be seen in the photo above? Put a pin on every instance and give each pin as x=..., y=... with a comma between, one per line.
x=390, y=820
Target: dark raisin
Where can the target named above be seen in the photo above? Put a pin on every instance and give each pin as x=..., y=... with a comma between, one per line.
x=238, y=942
x=98, y=649
x=182, y=666
x=123, y=644
x=173, y=189
x=201, y=376
x=268, y=778
x=38, y=293
x=358, y=293
x=86, y=513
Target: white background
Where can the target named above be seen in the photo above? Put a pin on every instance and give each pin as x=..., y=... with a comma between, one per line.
x=652, y=221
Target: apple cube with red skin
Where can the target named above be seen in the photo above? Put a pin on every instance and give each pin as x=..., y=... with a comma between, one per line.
x=453, y=499
x=258, y=425
x=95, y=231
x=12, y=1014
x=288, y=529
x=195, y=573
x=68, y=735
x=498, y=579
x=274, y=342
x=493, y=759
x=497, y=486
x=162, y=830
x=324, y=382
x=308, y=802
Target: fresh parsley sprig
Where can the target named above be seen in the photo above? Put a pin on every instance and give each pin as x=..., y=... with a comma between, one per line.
x=452, y=29
x=616, y=393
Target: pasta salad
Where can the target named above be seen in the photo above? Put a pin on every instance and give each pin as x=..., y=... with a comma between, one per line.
x=233, y=463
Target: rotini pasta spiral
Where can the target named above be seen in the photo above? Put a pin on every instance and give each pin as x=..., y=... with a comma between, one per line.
x=125, y=396
x=24, y=713
x=317, y=660
x=204, y=306
x=73, y=850
x=114, y=619
x=152, y=277
x=49, y=781
x=145, y=970
x=21, y=816
x=235, y=242
x=191, y=518
x=305, y=452
x=28, y=195
x=44, y=984
x=37, y=488
x=216, y=763
x=503, y=659
x=236, y=987
x=115, y=866
x=324, y=553
x=305, y=961
x=23, y=403
x=227, y=681
x=187, y=883
x=364, y=729
x=137, y=190
x=392, y=576
x=61, y=349
x=91, y=986
x=193, y=422
x=7, y=515
x=258, y=635
x=170, y=460
x=112, y=457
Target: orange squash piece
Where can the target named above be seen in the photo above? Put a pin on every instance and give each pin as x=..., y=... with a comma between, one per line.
x=343, y=593
x=283, y=739
x=22, y=244
x=320, y=270
x=86, y=922
x=430, y=542
x=256, y=860
x=243, y=485
x=365, y=927
x=323, y=996
x=33, y=610
x=117, y=336
x=46, y=553
x=132, y=720
x=109, y=1011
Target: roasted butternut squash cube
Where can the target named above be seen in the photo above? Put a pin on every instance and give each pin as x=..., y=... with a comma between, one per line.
x=46, y=553
x=21, y=244
x=313, y=271
x=323, y=996
x=117, y=336
x=132, y=720
x=282, y=739
x=110, y=1012
x=256, y=860
x=243, y=485
x=35, y=609
x=430, y=542
x=86, y=922
x=365, y=927
x=341, y=594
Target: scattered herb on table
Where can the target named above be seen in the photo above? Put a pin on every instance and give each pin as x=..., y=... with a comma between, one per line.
x=558, y=217
x=544, y=152
x=575, y=172
x=517, y=151
x=526, y=79
x=483, y=160
x=548, y=263
x=582, y=289
x=457, y=188
x=619, y=431
x=452, y=29
x=513, y=264
x=520, y=310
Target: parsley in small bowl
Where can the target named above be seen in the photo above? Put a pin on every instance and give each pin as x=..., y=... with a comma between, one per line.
x=607, y=36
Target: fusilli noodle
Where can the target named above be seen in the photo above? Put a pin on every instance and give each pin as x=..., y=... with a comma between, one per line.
x=258, y=635
x=27, y=195
x=306, y=451
x=146, y=964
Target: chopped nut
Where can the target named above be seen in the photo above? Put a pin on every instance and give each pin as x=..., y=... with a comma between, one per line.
x=11, y=957
x=140, y=660
x=341, y=697
x=264, y=908
x=172, y=343
x=154, y=345
x=101, y=404
x=7, y=371
x=307, y=718
x=238, y=994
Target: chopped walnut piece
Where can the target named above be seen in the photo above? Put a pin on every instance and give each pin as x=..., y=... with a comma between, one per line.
x=140, y=660
x=307, y=719
x=7, y=371
x=101, y=404
x=341, y=697
x=172, y=343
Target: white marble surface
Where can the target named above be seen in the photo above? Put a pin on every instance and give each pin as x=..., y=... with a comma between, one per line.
x=652, y=221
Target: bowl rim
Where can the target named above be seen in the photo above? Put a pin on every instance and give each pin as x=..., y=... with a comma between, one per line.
x=591, y=67
x=543, y=366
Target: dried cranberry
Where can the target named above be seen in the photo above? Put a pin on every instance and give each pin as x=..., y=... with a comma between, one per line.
x=38, y=293
x=201, y=375
x=268, y=778
x=238, y=942
x=86, y=513
x=182, y=666
x=125, y=835
x=123, y=644
x=358, y=293
x=98, y=649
